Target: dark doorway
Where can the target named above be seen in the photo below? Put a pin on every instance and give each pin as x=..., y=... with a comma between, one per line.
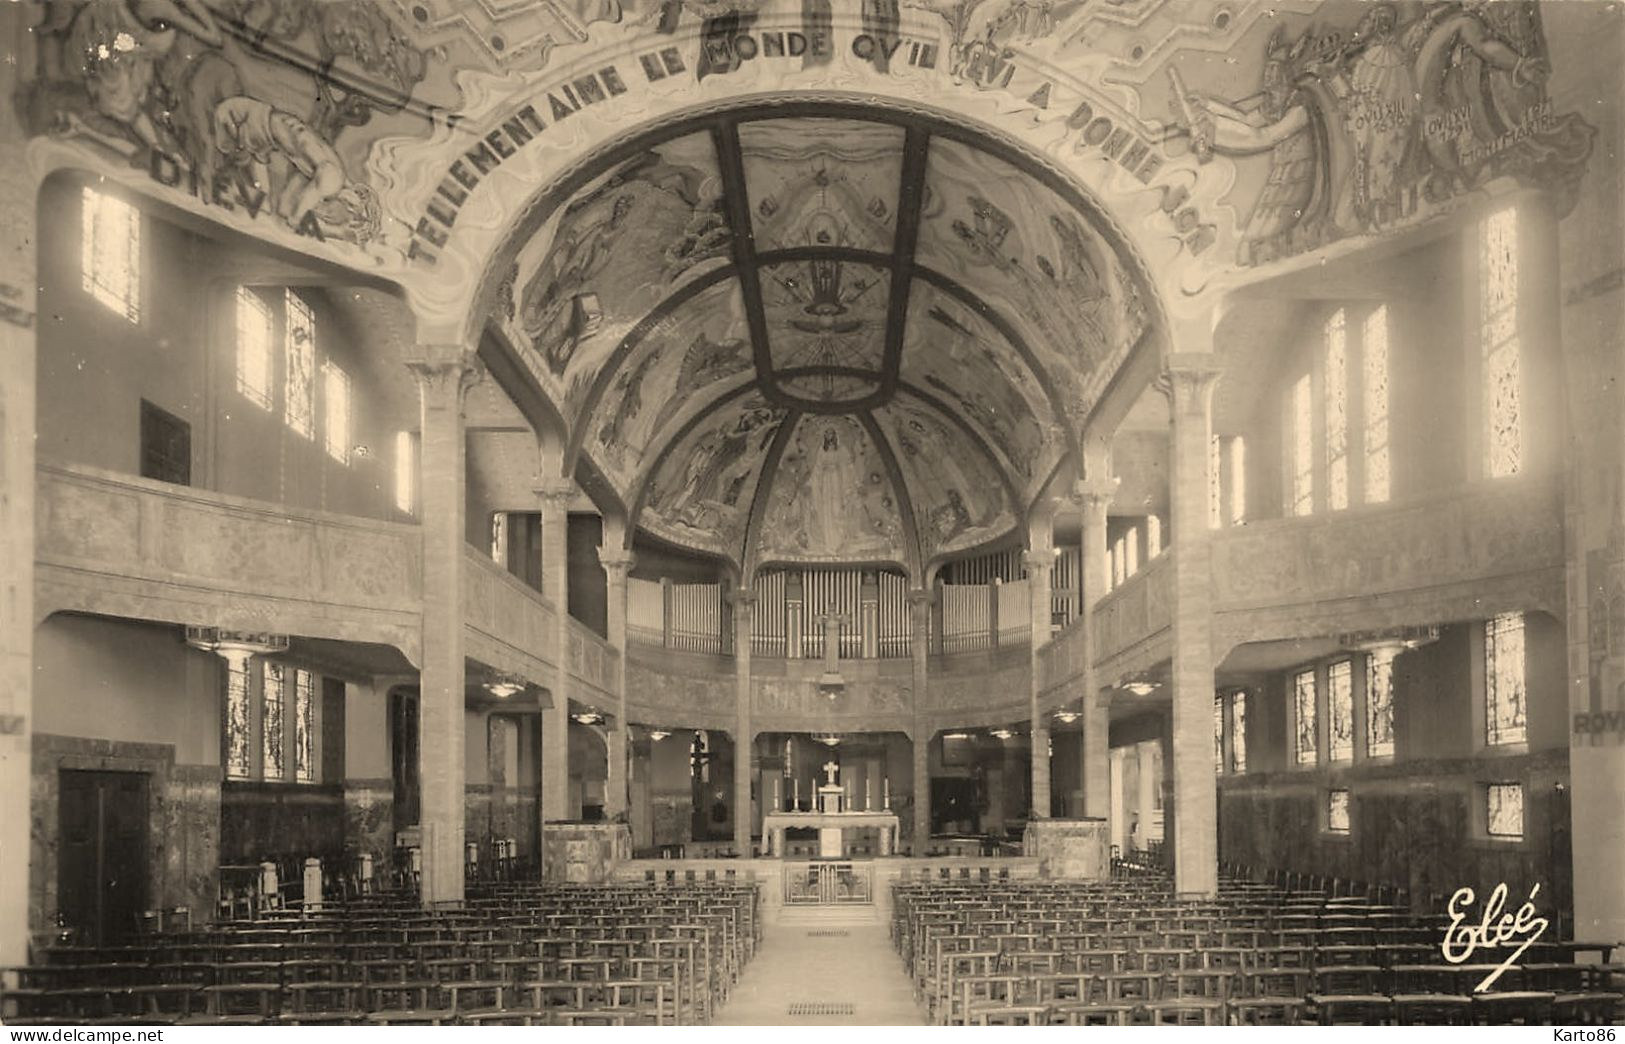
x=102, y=863
x=957, y=804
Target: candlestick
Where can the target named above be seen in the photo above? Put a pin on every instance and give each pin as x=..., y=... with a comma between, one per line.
x=778, y=803
x=885, y=793
x=798, y=793
x=866, y=804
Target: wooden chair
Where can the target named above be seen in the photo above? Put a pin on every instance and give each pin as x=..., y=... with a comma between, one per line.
x=1431, y=1009
x=1513, y=1008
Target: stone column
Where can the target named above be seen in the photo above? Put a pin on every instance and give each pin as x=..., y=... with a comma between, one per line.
x=1188, y=382
x=919, y=604
x=1038, y=561
x=743, y=601
x=1093, y=495
x=554, y=496
x=617, y=563
x=444, y=374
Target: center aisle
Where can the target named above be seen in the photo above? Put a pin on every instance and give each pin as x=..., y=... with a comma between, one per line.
x=808, y=975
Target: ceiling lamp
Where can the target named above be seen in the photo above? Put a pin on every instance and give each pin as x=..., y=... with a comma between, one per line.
x=1066, y=717
x=246, y=643
x=828, y=739
x=1140, y=688
x=658, y=734
x=504, y=685
x=1003, y=734
x=956, y=735
x=588, y=717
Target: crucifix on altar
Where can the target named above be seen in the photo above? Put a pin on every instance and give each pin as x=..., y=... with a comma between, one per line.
x=830, y=795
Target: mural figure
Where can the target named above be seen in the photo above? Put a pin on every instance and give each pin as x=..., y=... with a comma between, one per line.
x=304, y=172
x=709, y=495
x=1365, y=132
x=831, y=496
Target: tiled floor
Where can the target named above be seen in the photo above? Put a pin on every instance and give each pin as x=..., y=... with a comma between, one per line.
x=820, y=972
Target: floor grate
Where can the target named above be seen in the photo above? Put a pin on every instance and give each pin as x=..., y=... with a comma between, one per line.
x=829, y=933
x=821, y=1008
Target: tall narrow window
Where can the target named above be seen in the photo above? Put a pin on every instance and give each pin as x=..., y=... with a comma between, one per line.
x=1498, y=330
x=1238, y=730
x=1305, y=751
x=1215, y=482
x=300, y=347
x=1119, y=561
x=239, y=756
x=1504, y=716
x=336, y=389
x=1218, y=732
x=1340, y=702
x=1337, y=811
x=1131, y=546
x=406, y=469
x=110, y=253
x=1374, y=366
x=1379, y=704
x=304, y=726
x=1504, y=814
x=253, y=347
x=1303, y=448
x=1337, y=412
x=1237, y=460
x=273, y=724
x=499, y=538
x=1153, y=536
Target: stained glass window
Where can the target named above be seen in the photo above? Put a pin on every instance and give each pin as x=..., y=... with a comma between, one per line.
x=1337, y=412
x=110, y=253
x=1337, y=811
x=1131, y=547
x=1504, y=679
x=1504, y=816
x=1340, y=701
x=1498, y=272
x=1238, y=730
x=304, y=726
x=1303, y=449
x=1238, y=480
x=253, y=347
x=499, y=538
x=1153, y=536
x=336, y=389
x=272, y=726
x=1379, y=704
x=1218, y=732
x=239, y=754
x=406, y=469
x=1215, y=482
x=1374, y=365
x=300, y=346
x=1305, y=750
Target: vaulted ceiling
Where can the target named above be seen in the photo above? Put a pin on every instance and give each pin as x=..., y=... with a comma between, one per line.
x=819, y=333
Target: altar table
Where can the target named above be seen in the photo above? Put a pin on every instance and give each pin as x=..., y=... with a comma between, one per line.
x=831, y=827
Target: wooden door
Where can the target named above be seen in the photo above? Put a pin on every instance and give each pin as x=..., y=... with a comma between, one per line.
x=102, y=859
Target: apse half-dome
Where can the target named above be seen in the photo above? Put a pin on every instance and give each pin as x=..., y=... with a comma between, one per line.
x=822, y=332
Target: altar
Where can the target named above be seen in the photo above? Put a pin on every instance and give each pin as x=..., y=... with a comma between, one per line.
x=831, y=827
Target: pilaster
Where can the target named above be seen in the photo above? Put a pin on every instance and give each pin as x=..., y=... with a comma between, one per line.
x=617, y=563
x=553, y=496
x=919, y=604
x=1093, y=495
x=1038, y=562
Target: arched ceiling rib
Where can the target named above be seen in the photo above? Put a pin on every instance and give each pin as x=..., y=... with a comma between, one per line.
x=736, y=311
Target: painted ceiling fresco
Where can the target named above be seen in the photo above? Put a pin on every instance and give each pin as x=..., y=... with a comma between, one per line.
x=830, y=497
x=624, y=243
x=825, y=313
x=701, y=495
x=822, y=182
x=1029, y=254
x=960, y=499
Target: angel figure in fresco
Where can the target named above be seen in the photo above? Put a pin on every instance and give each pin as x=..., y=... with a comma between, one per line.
x=301, y=170
x=551, y=315
x=115, y=48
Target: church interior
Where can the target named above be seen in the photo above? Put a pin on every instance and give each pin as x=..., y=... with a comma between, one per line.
x=672, y=512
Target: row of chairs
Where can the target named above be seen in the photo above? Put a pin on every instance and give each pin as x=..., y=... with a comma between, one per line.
x=625, y=954
x=1128, y=952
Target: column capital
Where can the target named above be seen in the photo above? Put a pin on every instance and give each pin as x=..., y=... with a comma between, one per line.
x=617, y=561
x=444, y=372
x=921, y=596
x=1094, y=493
x=555, y=492
x=1038, y=560
x=742, y=600
x=1187, y=379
